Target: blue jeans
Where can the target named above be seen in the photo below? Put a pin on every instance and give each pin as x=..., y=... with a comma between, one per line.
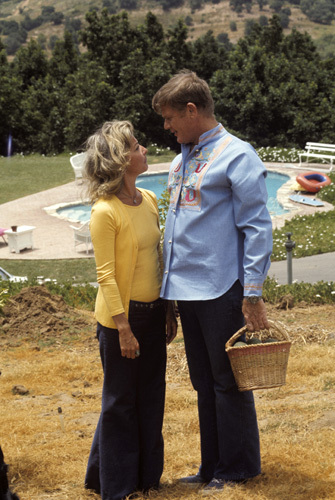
x=127, y=450
x=228, y=424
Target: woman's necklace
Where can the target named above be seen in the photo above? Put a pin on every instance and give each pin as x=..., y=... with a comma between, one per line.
x=133, y=198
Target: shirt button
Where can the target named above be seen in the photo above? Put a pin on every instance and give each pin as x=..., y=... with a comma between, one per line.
x=166, y=272
x=170, y=241
x=174, y=210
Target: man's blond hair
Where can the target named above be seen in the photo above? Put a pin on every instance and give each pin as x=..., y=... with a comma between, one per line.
x=182, y=88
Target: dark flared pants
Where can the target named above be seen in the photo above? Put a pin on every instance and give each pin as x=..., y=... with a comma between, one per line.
x=228, y=424
x=127, y=450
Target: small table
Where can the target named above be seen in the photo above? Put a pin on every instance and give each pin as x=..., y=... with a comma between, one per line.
x=20, y=239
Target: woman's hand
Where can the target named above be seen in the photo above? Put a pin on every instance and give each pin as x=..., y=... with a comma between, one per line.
x=171, y=321
x=129, y=345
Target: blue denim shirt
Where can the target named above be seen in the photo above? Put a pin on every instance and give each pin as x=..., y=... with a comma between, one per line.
x=218, y=228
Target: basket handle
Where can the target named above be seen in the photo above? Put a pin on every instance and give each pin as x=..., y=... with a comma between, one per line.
x=244, y=329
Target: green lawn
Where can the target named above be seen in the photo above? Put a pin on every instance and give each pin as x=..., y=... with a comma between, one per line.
x=74, y=270
x=24, y=175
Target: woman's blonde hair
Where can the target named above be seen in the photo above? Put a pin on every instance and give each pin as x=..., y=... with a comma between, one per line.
x=107, y=158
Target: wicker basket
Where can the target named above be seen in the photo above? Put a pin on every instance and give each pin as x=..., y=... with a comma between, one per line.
x=260, y=366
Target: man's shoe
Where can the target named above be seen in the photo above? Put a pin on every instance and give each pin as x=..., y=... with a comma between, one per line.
x=215, y=486
x=193, y=481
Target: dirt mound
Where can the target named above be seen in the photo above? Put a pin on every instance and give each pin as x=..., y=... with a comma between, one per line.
x=35, y=313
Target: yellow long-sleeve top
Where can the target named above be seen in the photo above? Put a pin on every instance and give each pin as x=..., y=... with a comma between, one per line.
x=126, y=248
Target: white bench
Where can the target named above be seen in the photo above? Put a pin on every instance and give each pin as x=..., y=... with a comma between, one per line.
x=319, y=150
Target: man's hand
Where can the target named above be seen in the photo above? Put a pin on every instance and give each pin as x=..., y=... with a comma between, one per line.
x=171, y=321
x=255, y=315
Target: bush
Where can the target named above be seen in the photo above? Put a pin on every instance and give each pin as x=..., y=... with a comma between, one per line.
x=317, y=293
x=83, y=297
x=79, y=297
x=285, y=155
x=327, y=193
x=233, y=26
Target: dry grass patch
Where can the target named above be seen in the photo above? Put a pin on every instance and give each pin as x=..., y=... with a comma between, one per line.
x=47, y=452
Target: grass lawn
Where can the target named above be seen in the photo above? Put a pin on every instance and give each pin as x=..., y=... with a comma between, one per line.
x=24, y=175
x=74, y=270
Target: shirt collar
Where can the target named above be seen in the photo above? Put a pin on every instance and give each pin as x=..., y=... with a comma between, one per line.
x=207, y=137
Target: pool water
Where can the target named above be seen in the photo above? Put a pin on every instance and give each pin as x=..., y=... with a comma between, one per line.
x=157, y=183
x=273, y=182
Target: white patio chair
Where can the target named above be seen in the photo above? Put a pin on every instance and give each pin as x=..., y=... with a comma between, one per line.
x=77, y=163
x=82, y=235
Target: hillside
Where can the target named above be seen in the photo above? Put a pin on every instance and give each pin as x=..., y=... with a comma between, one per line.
x=215, y=17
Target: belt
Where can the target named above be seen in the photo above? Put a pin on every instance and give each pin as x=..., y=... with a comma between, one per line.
x=146, y=305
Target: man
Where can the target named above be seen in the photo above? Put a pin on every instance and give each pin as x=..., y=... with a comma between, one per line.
x=217, y=246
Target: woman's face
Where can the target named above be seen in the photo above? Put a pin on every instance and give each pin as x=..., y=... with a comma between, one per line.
x=138, y=159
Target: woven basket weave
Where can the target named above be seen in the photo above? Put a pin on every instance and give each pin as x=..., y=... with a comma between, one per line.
x=260, y=366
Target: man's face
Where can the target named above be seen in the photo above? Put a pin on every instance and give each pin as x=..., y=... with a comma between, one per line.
x=181, y=124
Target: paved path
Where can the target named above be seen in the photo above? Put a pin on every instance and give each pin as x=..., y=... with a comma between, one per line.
x=308, y=269
x=53, y=237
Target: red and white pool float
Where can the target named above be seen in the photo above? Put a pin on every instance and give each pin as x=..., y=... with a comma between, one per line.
x=313, y=181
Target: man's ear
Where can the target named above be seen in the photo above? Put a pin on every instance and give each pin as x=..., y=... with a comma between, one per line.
x=192, y=109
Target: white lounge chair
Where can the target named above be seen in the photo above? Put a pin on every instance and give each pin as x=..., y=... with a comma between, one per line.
x=77, y=163
x=82, y=235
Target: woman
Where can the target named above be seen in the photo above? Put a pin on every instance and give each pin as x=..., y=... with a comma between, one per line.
x=133, y=326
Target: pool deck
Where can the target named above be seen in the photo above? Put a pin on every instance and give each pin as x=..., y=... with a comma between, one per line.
x=53, y=236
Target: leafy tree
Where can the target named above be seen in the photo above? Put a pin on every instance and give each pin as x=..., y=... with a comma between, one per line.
x=128, y=4
x=47, y=10
x=223, y=39
x=238, y=5
x=9, y=27
x=318, y=11
x=144, y=77
x=109, y=40
x=274, y=90
x=152, y=40
x=57, y=18
x=12, y=45
x=262, y=3
x=196, y=4
x=171, y=4
x=110, y=5
x=284, y=20
x=177, y=47
x=90, y=101
x=73, y=26
x=64, y=59
x=9, y=98
x=40, y=127
x=208, y=55
x=276, y=5
x=249, y=25
x=263, y=21
x=30, y=24
x=30, y=63
x=52, y=41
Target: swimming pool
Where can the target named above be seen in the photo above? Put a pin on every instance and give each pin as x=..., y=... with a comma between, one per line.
x=157, y=184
